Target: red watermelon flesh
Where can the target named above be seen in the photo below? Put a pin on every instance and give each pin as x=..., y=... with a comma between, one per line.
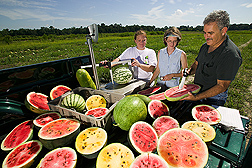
x=45, y=118
x=61, y=157
x=20, y=134
x=206, y=113
x=174, y=93
x=159, y=96
x=149, y=160
x=23, y=155
x=164, y=123
x=183, y=148
x=38, y=100
x=143, y=137
x=59, y=90
x=97, y=112
x=150, y=90
x=156, y=108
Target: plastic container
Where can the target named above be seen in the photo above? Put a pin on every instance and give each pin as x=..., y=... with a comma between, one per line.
x=89, y=121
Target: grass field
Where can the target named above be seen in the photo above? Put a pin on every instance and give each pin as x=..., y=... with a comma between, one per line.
x=31, y=50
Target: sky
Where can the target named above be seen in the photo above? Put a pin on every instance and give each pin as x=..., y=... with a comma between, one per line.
x=34, y=14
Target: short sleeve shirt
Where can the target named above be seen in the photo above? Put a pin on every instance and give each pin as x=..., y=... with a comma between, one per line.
x=221, y=64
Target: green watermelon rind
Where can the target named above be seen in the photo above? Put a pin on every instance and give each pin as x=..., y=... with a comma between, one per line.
x=27, y=139
x=146, y=99
x=55, y=150
x=131, y=141
x=52, y=143
x=30, y=161
x=149, y=155
x=211, y=123
x=85, y=79
x=74, y=101
x=153, y=101
x=37, y=125
x=181, y=97
x=122, y=75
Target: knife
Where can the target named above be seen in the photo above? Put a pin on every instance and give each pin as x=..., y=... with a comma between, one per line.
x=185, y=74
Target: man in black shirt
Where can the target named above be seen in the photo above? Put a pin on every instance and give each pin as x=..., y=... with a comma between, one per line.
x=217, y=63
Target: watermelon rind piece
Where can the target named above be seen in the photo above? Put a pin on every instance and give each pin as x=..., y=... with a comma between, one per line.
x=147, y=159
x=171, y=94
x=28, y=150
x=115, y=155
x=159, y=108
x=158, y=96
x=148, y=140
x=122, y=75
x=203, y=129
x=62, y=89
x=90, y=141
x=149, y=91
x=45, y=117
x=214, y=118
x=182, y=148
x=59, y=133
x=74, y=101
x=31, y=106
x=65, y=157
x=95, y=101
x=164, y=123
x=17, y=136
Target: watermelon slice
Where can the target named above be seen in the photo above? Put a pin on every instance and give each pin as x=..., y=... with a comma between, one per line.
x=23, y=155
x=45, y=118
x=183, y=148
x=37, y=102
x=20, y=134
x=175, y=94
x=159, y=96
x=156, y=108
x=59, y=90
x=97, y=112
x=150, y=90
x=143, y=137
x=206, y=114
x=61, y=157
x=164, y=123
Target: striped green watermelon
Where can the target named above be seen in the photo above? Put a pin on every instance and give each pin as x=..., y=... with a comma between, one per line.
x=122, y=75
x=74, y=101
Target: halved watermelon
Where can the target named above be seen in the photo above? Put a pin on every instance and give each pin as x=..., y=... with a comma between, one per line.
x=95, y=101
x=159, y=96
x=164, y=123
x=59, y=90
x=45, y=118
x=20, y=134
x=206, y=114
x=97, y=112
x=37, y=102
x=175, y=94
x=150, y=90
x=156, y=108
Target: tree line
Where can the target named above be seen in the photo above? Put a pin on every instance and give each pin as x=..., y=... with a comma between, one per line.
x=102, y=28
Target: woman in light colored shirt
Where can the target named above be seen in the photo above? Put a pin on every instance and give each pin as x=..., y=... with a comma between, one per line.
x=170, y=60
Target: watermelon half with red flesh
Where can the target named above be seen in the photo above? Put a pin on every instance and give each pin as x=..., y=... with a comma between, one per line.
x=159, y=96
x=45, y=118
x=97, y=112
x=20, y=134
x=23, y=155
x=206, y=114
x=37, y=102
x=61, y=157
x=150, y=90
x=182, y=148
x=59, y=90
x=175, y=94
x=164, y=123
x=143, y=137
x=156, y=108
x=149, y=160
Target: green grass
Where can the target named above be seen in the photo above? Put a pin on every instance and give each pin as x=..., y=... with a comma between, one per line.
x=31, y=50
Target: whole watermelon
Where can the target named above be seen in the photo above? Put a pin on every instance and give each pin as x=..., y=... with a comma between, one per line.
x=128, y=111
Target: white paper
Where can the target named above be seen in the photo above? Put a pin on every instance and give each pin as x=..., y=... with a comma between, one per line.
x=230, y=117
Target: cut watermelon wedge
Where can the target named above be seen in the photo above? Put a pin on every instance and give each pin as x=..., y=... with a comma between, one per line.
x=150, y=90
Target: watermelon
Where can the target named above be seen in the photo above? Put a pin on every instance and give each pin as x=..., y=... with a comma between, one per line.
x=45, y=118
x=23, y=155
x=85, y=79
x=128, y=111
x=182, y=148
x=59, y=133
x=164, y=123
x=206, y=113
x=159, y=96
x=59, y=90
x=149, y=160
x=74, y=101
x=20, y=134
x=90, y=141
x=122, y=75
x=37, y=102
x=95, y=101
x=203, y=129
x=156, y=108
x=175, y=94
x=150, y=90
x=115, y=155
x=61, y=157
x=143, y=137
x=143, y=97
x=97, y=112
